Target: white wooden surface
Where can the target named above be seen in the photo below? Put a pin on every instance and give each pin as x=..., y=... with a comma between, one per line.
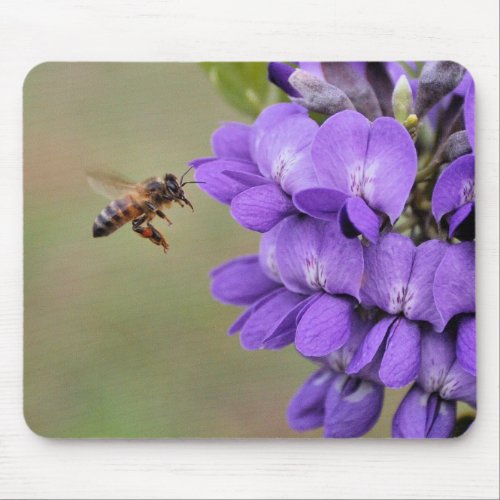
x=180, y=30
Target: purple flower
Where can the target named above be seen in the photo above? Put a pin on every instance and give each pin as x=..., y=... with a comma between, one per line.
x=346, y=406
x=316, y=261
x=231, y=146
x=398, y=279
x=254, y=281
x=373, y=311
x=454, y=287
x=273, y=162
x=302, y=287
x=269, y=321
x=230, y=141
x=429, y=408
x=241, y=281
x=453, y=198
x=364, y=169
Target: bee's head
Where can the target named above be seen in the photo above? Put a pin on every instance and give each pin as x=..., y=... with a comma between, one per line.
x=174, y=190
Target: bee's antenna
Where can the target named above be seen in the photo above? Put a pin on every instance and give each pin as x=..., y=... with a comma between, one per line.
x=184, y=175
x=192, y=182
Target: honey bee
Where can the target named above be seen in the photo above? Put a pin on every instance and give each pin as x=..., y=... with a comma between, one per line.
x=138, y=203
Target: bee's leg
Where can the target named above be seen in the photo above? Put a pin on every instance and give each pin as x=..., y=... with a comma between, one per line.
x=160, y=214
x=140, y=220
x=152, y=234
x=157, y=238
x=151, y=206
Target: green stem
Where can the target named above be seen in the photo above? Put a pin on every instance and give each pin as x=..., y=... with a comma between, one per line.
x=427, y=171
x=407, y=224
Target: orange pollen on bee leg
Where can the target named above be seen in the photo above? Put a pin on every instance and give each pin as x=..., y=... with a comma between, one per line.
x=147, y=232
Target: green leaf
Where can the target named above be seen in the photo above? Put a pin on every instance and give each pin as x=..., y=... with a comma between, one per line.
x=244, y=85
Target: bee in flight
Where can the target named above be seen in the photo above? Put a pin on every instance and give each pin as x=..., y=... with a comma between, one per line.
x=138, y=203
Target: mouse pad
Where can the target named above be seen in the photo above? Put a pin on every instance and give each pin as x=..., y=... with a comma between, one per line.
x=249, y=250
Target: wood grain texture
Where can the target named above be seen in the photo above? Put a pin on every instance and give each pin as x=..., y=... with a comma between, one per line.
x=181, y=30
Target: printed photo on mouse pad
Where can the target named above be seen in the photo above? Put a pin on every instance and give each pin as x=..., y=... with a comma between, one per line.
x=249, y=249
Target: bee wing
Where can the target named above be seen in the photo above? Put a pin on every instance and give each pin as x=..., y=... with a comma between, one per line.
x=111, y=185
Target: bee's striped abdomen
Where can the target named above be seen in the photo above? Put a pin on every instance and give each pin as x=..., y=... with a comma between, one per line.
x=115, y=215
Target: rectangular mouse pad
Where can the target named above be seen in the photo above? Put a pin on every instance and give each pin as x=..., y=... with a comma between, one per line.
x=249, y=250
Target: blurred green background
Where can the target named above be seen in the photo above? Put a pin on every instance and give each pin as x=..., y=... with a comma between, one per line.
x=121, y=340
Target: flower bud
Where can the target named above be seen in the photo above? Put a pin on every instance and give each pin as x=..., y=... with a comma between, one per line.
x=353, y=83
x=436, y=80
x=456, y=145
x=402, y=99
x=378, y=77
x=279, y=74
x=411, y=124
x=317, y=95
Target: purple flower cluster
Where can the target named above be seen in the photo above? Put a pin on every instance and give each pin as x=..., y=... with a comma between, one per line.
x=366, y=261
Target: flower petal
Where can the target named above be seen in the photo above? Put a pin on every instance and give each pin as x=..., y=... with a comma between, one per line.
x=390, y=167
x=283, y=332
x=419, y=299
x=217, y=184
x=306, y=410
x=279, y=152
x=466, y=343
x=454, y=283
x=231, y=140
x=313, y=255
x=260, y=208
x=321, y=203
x=268, y=118
x=356, y=217
x=370, y=345
x=264, y=318
x=352, y=407
x=422, y=415
x=240, y=321
x=455, y=187
x=240, y=281
x=247, y=180
x=437, y=357
x=401, y=361
x=267, y=253
x=298, y=247
x=341, y=259
x=300, y=174
x=325, y=326
x=339, y=151
x=388, y=266
x=459, y=385
x=395, y=70
x=340, y=359
x=278, y=73
x=461, y=223
x=462, y=88
x=196, y=162
x=245, y=316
